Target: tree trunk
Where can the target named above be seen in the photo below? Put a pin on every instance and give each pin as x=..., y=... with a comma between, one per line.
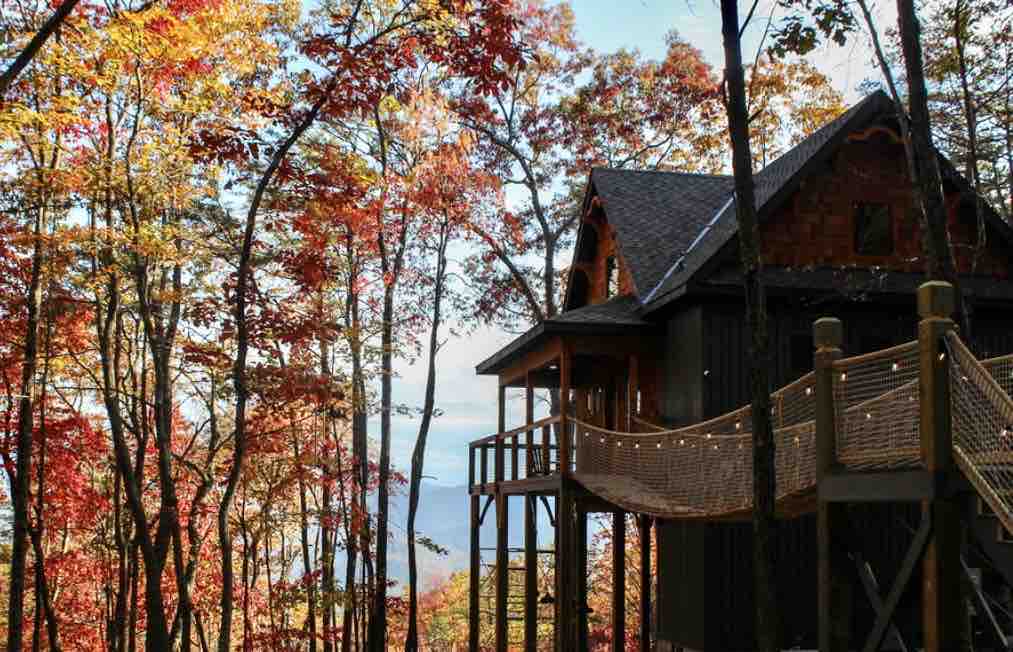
x=22, y=474
x=764, y=523
x=419, y=454
x=923, y=159
x=307, y=562
x=244, y=273
x=377, y=640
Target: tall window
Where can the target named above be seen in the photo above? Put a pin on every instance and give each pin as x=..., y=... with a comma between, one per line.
x=611, y=277
x=873, y=229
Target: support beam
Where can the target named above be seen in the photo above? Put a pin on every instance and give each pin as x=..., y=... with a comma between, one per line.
x=580, y=409
x=565, y=586
x=871, y=586
x=502, y=572
x=565, y=364
x=529, y=418
x=942, y=604
x=633, y=393
x=581, y=577
x=645, y=581
x=886, y=486
x=834, y=591
x=916, y=552
x=500, y=462
x=474, y=570
x=530, y=573
x=619, y=582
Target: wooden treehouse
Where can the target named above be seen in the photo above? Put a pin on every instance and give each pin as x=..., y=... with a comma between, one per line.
x=894, y=440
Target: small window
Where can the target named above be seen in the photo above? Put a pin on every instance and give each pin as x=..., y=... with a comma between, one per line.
x=611, y=277
x=873, y=230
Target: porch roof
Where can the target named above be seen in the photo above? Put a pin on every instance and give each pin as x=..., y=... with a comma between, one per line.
x=617, y=316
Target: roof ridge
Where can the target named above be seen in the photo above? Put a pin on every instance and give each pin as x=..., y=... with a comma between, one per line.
x=679, y=172
x=833, y=125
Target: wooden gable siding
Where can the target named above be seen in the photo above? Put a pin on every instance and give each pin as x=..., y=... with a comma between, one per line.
x=816, y=227
x=592, y=264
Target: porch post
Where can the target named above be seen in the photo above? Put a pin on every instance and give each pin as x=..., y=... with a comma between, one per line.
x=565, y=564
x=618, y=581
x=834, y=589
x=632, y=391
x=942, y=604
x=530, y=572
x=566, y=598
x=580, y=410
x=645, y=582
x=502, y=531
x=473, y=578
x=530, y=529
x=529, y=418
x=565, y=362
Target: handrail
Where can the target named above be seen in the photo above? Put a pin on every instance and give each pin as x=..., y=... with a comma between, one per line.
x=547, y=421
x=876, y=355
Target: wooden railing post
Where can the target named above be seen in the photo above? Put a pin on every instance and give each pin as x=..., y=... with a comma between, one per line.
x=501, y=428
x=502, y=530
x=529, y=418
x=834, y=589
x=942, y=606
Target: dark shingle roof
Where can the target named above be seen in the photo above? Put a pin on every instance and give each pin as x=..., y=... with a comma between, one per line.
x=618, y=316
x=657, y=215
x=772, y=183
x=669, y=224
x=620, y=311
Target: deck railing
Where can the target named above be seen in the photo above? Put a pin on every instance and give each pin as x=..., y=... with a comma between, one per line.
x=528, y=451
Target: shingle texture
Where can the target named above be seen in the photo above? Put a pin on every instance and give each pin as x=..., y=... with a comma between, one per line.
x=620, y=311
x=657, y=215
x=663, y=220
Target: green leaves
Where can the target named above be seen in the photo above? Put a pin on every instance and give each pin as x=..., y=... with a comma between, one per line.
x=808, y=22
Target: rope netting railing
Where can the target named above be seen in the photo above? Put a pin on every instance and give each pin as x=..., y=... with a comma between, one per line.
x=704, y=469
x=877, y=409
x=982, y=418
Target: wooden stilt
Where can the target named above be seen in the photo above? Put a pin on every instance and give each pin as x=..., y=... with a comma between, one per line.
x=566, y=598
x=619, y=582
x=645, y=582
x=474, y=577
x=834, y=590
x=581, y=543
x=530, y=573
x=530, y=531
x=502, y=531
x=502, y=571
x=942, y=604
x=565, y=593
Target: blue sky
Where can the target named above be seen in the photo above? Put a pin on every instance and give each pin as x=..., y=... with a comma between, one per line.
x=467, y=400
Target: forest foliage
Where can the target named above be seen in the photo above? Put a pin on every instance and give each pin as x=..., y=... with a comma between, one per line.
x=224, y=221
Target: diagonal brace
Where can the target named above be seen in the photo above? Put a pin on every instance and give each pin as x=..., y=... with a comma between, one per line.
x=488, y=502
x=911, y=559
x=871, y=587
